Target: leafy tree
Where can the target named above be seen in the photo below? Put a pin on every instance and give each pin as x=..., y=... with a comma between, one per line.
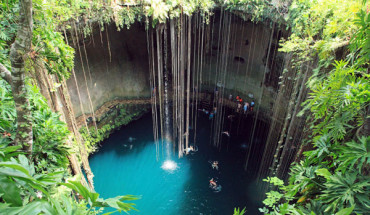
x=16, y=78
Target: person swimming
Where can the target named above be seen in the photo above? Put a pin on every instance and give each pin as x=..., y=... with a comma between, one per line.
x=190, y=149
x=211, y=115
x=215, y=165
x=226, y=133
x=214, y=186
x=212, y=183
x=131, y=139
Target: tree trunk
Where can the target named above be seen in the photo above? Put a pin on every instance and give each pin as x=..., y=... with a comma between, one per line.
x=56, y=104
x=16, y=78
x=42, y=82
x=70, y=119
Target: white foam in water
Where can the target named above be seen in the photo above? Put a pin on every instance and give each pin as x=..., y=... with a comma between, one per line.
x=169, y=165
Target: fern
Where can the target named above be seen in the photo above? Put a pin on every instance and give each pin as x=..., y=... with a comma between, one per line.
x=354, y=155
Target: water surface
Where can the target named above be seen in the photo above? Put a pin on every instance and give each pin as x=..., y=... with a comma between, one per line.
x=125, y=167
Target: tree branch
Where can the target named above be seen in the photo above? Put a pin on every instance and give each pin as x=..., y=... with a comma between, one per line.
x=5, y=74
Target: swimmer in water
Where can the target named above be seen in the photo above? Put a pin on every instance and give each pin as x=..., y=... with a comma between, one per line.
x=211, y=115
x=226, y=133
x=131, y=139
x=215, y=165
x=190, y=149
x=212, y=183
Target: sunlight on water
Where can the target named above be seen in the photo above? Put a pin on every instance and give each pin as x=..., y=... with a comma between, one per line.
x=169, y=165
x=135, y=171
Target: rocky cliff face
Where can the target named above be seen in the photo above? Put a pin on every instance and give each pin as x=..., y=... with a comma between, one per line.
x=120, y=71
x=253, y=64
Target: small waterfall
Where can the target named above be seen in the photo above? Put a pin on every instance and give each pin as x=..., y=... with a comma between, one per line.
x=167, y=109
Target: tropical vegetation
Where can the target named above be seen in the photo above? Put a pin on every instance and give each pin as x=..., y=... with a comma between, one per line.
x=41, y=183
x=333, y=177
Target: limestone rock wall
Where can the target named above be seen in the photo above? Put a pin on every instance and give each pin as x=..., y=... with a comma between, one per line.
x=120, y=74
x=123, y=73
x=248, y=61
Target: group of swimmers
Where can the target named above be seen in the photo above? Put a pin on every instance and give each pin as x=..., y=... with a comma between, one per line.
x=213, y=183
x=246, y=106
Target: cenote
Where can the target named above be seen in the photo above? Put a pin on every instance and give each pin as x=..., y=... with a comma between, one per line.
x=129, y=166
x=207, y=107
x=210, y=85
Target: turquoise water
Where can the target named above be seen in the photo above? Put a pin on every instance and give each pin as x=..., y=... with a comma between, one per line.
x=121, y=169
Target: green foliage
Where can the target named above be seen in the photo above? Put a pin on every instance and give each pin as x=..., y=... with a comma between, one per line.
x=275, y=181
x=94, y=201
x=93, y=138
x=55, y=54
x=346, y=190
x=126, y=17
x=333, y=178
x=49, y=133
x=257, y=10
x=7, y=109
x=272, y=198
x=8, y=27
x=320, y=27
x=39, y=185
x=52, y=17
x=275, y=201
x=238, y=212
x=360, y=43
x=160, y=11
x=338, y=99
x=353, y=154
x=24, y=191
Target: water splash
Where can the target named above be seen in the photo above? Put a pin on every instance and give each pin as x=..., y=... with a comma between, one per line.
x=169, y=165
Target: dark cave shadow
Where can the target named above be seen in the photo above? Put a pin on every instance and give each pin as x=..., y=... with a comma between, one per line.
x=237, y=184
